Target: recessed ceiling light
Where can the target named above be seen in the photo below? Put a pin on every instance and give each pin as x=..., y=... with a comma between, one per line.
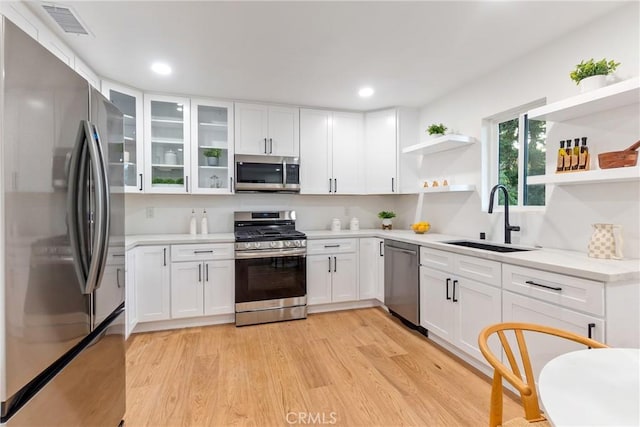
x=365, y=92
x=161, y=68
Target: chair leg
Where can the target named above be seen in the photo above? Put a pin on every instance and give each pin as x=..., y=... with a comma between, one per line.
x=495, y=411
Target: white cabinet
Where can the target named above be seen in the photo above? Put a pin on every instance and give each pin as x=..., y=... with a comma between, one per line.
x=331, y=152
x=267, y=130
x=371, y=268
x=212, y=164
x=152, y=278
x=202, y=284
x=459, y=296
x=167, y=144
x=555, y=300
x=332, y=271
x=131, y=300
x=129, y=102
x=380, y=156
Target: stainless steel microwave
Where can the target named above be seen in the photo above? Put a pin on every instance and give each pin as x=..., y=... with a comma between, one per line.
x=267, y=173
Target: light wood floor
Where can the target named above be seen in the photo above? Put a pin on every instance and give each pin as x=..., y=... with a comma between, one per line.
x=350, y=368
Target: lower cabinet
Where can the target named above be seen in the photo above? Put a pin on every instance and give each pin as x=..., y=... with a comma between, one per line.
x=202, y=288
x=456, y=308
x=332, y=271
x=131, y=300
x=153, y=283
x=371, y=268
x=202, y=280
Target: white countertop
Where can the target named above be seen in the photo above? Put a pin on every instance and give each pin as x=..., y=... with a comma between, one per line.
x=556, y=260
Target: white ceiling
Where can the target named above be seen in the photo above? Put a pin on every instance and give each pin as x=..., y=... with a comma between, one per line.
x=316, y=53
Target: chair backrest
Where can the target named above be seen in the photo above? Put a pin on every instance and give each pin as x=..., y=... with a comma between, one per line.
x=526, y=387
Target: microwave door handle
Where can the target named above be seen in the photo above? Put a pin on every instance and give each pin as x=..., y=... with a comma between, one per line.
x=284, y=174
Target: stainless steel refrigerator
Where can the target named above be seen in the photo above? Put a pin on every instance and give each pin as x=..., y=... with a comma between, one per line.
x=61, y=243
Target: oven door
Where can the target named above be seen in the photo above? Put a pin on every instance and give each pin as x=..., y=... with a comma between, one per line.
x=263, y=278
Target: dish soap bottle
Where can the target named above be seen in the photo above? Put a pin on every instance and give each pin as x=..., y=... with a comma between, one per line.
x=560, y=161
x=204, y=224
x=192, y=222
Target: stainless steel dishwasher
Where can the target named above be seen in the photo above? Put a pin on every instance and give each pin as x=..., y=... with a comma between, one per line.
x=401, y=281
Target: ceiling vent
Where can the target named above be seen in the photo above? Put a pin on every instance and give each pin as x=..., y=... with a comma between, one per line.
x=66, y=18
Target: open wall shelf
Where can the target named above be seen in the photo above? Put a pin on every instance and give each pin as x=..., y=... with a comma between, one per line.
x=442, y=143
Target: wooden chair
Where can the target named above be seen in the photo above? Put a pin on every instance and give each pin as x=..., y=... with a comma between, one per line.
x=526, y=387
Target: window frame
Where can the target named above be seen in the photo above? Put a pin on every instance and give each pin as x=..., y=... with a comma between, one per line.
x=490, y=159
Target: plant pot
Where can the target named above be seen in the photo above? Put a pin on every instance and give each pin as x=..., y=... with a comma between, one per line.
x=212, y=161
x=387, y=224
x=591, y=83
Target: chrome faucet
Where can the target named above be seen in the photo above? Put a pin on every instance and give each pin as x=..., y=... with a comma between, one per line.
x=507, y=228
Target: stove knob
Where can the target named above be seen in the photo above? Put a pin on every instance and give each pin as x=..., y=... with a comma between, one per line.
x=288, y=243
x=297, y=243
x=248, y=245
x=274, y=244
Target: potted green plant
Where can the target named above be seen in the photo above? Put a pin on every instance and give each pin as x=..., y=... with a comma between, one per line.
x=386, y=219
x=212, y=155
x=437, y=129
x=591, y=74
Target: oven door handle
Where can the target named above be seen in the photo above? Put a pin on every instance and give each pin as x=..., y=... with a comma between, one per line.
x=270, y=254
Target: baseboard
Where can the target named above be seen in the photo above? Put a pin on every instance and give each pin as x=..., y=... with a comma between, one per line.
x=337, y=306
x=192, y=322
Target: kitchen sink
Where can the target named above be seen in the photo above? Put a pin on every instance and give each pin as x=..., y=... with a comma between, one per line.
x=485, y=246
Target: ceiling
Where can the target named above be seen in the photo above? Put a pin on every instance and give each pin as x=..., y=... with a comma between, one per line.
x=315, y=53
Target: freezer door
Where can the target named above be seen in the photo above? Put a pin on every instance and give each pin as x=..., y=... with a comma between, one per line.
x=45, y=312
x=109, y=122
x=90, y=389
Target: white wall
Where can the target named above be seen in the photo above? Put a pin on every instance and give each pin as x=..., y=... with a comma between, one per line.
x=171, y=213
x=539, y=74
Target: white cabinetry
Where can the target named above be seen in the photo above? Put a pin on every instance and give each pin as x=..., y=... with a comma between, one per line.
x=167, y=144
x=555, y=300
x=371, y=277
x=331, y=152
x=332, y=271
x=129, y=102
x=381, y=152
x=202, y=280
x=267, y=129
x=152, y=278
x=131, y=300
x=459, y=296
x=212, y=164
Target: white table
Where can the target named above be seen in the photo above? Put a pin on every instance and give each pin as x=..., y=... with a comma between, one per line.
x=592, y=387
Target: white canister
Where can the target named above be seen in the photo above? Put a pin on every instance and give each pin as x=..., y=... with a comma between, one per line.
x=335, y=224
x=170, y=158
x=354, y=224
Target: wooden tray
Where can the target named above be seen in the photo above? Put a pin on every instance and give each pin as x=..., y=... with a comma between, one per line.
x=619, y=159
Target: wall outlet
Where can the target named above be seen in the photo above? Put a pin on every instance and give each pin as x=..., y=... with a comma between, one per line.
x=150, y=212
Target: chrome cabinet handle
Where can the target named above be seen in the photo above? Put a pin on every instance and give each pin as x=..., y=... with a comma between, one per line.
x=206, y=272
x=335, y=185
x=230, y=184
x=270, y=146
x=164, y=256
x=329, y=258
x=186, y=182
x=335, y=264
x=330, y=186
x=393, y=187
x=265, y=146
x=141, y=181
x=199, y=272
x=331, y=246
x=204, y=252
x=553, y=288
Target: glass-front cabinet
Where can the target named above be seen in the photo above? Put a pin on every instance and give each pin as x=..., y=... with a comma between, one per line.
x=212, y=147
x=167, y=136
x=129, y=102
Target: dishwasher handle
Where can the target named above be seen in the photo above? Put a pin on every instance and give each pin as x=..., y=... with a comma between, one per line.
x=404, y=251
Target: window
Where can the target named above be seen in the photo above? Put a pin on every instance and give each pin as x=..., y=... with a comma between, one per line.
x=517, y=147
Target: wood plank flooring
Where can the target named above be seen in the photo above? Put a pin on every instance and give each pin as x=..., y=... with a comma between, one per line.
x=348, y=368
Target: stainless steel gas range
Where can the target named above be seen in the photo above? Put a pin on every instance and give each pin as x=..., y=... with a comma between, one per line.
x=270, y=261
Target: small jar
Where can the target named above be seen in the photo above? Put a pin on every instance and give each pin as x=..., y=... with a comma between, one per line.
x=354, y=224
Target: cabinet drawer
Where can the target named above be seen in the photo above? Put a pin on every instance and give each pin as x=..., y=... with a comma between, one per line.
x=331, y=246
x=567, y=291
x=434, y=258
x=202, y=252
x=479, y=269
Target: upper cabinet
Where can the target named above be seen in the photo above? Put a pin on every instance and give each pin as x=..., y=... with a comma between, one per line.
x=212, y=147
x=380, y=156
x=267, y=130
x=331, y=145
x=129, y=102
x=168, y=143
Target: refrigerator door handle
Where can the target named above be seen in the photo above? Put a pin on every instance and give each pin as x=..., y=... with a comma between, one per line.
x=100, y=239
